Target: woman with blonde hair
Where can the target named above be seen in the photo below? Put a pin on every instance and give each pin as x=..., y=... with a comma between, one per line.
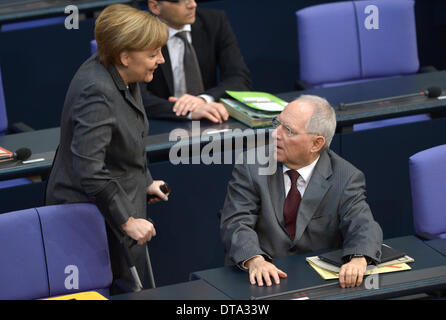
x=101, y=156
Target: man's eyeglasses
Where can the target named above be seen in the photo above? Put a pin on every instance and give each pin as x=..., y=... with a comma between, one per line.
x=276, y=123
x=184, y=2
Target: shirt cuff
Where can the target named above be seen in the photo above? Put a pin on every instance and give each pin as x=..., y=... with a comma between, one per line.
x=242, y=264
x=207, y=97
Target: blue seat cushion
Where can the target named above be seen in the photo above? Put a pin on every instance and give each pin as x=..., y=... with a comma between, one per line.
x=23, y=273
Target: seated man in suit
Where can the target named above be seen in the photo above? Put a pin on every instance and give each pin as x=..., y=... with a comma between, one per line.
x=315, y=200
x=201, y=48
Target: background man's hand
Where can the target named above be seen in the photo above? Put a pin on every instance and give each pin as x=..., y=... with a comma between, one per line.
x=186, y=103
x=352, y=273
x=260, y=270
x=212, y=111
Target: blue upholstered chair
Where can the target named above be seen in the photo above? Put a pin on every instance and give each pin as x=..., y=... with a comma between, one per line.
x=4, y=129
x=337, y=46
x=5, y=126
x=3, y=113
x=428, y=182
x=43, y=247
x=23, y=267
x=93, y=46
x=20, y=26
x=32, y=23
x=355, y=41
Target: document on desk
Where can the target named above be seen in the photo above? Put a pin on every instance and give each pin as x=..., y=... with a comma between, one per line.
x=5, y=154
x=328, y=274
x=87, y=295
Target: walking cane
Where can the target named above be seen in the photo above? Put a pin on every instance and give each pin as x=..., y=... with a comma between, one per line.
x=125, y=247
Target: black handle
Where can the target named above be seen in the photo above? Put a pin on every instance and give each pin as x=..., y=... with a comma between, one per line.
x=164, y=188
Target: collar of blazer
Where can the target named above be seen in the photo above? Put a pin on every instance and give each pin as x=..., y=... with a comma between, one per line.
x=134, y=100
x=315, y=191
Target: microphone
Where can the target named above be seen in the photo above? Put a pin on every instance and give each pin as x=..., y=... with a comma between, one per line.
x=431, y=92
x=22, y=154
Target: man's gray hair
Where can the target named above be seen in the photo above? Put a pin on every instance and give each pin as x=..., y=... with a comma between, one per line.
x=323, y=120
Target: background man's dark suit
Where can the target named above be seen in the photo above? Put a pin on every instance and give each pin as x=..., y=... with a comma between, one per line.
x=216, y=47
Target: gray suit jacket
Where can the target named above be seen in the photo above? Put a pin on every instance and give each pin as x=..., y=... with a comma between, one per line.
x=101, y=156
x=333, y=213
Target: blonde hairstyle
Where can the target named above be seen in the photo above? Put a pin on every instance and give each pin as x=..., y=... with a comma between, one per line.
x=121, y=28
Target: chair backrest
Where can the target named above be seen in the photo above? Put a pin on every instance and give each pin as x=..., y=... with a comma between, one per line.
x=428, y=182
x=23, y=267
x=3, y=114
x=62, y=248
x=4, y=130
x=75, y=241
x=350, y=41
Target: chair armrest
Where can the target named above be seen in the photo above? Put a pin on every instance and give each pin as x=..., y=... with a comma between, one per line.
x=123, y=286
x=426, y=236
x=426, y=69
x=302, y=85
x=20, y=127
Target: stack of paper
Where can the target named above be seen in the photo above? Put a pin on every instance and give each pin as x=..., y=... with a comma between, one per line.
x=87, y=295
x=328, y=271
x=5, y=154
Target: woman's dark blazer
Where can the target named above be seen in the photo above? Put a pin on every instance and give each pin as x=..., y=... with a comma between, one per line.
x=101, y=156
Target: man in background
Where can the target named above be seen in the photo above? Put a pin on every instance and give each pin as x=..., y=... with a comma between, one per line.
x=203, y=60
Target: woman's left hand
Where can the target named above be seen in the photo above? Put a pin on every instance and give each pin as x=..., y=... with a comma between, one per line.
x=154, y=189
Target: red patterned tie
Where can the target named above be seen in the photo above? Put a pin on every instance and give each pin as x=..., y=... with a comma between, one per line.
x=292, y=203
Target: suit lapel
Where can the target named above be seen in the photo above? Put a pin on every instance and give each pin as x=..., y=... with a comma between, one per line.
x=127, y=95
x=135, y=98
x=277, y=192
x=314, y=193
x=166, y=68
x=198, y=39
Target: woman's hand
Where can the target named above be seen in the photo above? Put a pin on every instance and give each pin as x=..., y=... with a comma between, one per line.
x=154, y=190
x=139, y=230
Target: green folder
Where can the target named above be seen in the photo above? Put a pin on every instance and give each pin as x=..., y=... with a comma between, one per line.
x=259, y=100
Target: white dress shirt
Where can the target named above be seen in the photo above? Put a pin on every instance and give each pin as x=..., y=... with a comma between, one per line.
x=305, y=174
x=176, y=52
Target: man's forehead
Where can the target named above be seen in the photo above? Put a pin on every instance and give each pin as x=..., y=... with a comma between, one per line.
x=297, y=109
